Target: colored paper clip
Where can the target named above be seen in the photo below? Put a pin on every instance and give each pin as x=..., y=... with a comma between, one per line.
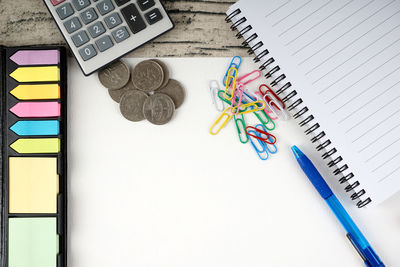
x=235, y=62
x=240, y=127
x=276, y=108
x=269, y=138
x=254, y=107
x=214, y=89
x=232, y=74
x=239, y=90
x=220, y=96
x=260, y=149
x=226, y=113
x=271, y=148
x=268, y=95
x=267, y=109
x=268, y=123
x=249, y=77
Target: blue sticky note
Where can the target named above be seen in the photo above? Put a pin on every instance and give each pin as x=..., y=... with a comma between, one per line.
x=50, y=127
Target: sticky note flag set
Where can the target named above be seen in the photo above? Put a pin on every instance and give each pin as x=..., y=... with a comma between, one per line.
x=34, y=157
x=244, y=95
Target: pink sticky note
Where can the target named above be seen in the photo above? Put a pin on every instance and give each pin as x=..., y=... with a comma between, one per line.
x=36, y=109
x=36, y=57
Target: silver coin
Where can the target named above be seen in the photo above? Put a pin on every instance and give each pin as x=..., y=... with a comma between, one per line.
x=165, y=70
x=115, y=75
x=175, y=90
x=158, y=109
x=117, y=94
x=147, y=76
x=131, y=105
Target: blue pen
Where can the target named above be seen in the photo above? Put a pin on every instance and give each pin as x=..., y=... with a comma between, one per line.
x=353, y=233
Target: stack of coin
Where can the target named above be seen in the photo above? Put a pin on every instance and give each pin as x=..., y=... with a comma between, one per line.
x=145, y=93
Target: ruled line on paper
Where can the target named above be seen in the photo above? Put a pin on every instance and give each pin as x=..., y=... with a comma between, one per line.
x=331, y=28
x=369, y=115
x=376, y=139
x=395, y=170
x=352, y=42
x=366, y=90
x=343, y=34
x=386, y=162
x=276, y=9
x=383, y=149
x=367, y=131
x=291, y=13
x=306, y=17
x=369, y=102
x=369, y=73
x=354, y=69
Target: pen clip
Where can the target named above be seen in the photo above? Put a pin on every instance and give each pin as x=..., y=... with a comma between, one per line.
x=355, y=246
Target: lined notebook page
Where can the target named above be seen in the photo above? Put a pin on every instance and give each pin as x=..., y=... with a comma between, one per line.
x=343, y=59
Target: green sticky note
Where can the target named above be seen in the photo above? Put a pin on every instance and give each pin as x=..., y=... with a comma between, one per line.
x=32, y=242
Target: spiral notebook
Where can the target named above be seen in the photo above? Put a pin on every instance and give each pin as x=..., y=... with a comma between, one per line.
x=337, y=66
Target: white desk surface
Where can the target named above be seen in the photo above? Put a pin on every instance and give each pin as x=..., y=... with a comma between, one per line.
x=175, y=196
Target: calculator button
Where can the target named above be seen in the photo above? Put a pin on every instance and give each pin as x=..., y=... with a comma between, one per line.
x=132, y=16
x=73, y=25
x=87, y=52
x=104, y=43
x=153, y=16
x=121, y=2
x=120, y=34
x=65, y=11
x=105, y=7
x=80, y=4
x=80, y=38
x=145, y=4
x=96, y=29
x=89, y=15
x=56, y=2
x=113, y=20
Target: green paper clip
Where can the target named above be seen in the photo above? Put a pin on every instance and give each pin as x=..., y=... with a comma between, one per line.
x=268, y=123
x=241, y=132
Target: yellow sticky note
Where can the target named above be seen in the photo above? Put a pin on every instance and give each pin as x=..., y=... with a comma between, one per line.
x=33, y=185
x=36, y=145
x=36, y=74
x=36, y=91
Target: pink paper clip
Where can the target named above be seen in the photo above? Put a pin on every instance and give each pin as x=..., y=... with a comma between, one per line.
x=239, y=90
x=268, y=95
x=250, y=79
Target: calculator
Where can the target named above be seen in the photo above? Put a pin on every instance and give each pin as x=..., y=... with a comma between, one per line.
x=101, y=31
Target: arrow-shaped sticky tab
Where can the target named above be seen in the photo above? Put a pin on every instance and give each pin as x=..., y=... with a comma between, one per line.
x=36, y=74
x=36, y=57
x=36, y=109
x=36, y=145
x=50, y=127
x=36, y=91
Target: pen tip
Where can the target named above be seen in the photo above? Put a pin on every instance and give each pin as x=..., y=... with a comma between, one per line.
x=296, y=151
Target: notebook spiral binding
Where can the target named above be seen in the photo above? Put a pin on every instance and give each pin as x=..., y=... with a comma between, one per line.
x=295, y=105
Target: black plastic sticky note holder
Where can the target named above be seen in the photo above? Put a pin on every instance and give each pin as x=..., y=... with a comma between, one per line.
x=30, y=215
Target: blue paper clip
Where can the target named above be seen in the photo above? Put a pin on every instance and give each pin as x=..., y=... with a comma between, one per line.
x=261, y=151
x=240, y=127
x=236, y=61
x=267, y=146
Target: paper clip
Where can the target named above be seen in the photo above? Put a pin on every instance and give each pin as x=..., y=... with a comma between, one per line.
x=276, y=109
x=221, y=92
x=226, y=114
x=254, y=107
x=241, y=78
x=269, y=138
x=260, y=152
x=268, y=95
x=267, y=145
x=267, y=108
x=240, y=127
x=214, y=89
x=235, y=62
x=266, y=121
x=239, y=91
x=232, y=74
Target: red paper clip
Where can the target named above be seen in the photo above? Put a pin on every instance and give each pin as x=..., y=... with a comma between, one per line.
x=267, y=96
x=266, y=139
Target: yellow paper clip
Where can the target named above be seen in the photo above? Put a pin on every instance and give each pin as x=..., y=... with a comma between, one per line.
x=232, y=74
x=226, y=113
x=253, y=107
